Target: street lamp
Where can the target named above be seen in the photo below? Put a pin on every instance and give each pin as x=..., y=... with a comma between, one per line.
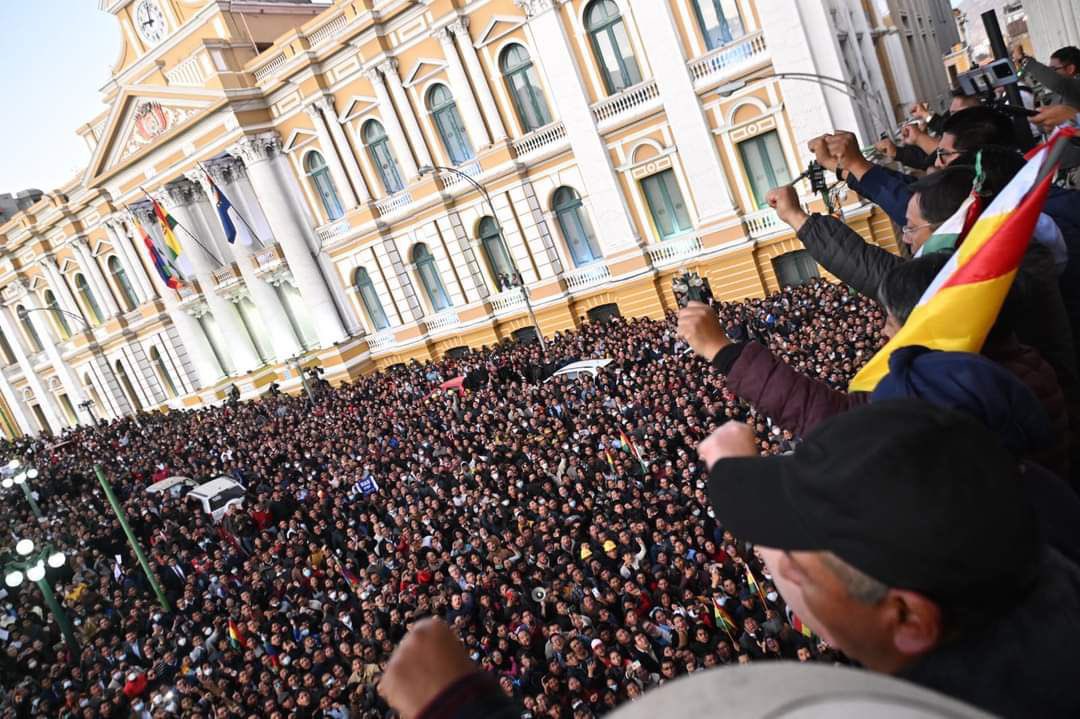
x=19, y=476
x=517, y=280
x=32, y=567
x=833, y=83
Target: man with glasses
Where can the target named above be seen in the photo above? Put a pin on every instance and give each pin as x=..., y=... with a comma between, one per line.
x=1062, y=78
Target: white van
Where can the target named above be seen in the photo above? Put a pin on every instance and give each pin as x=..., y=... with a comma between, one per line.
x=574, y=370
x=217, y=495
x=175, y=486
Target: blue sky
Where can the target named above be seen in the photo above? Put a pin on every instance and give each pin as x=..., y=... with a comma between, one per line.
x=56, y=54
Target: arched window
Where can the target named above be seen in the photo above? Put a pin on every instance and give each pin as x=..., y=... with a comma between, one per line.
x=441, y=105
x=763, y=160
x=129, y=388
x=666, y=204
x=5, y=348
x=524, y=86
x=720, y=21
x=163, y=372
x=429, y=277
x=495, y=252
x=319, y=174
x=370, y=298
x=90, y=303
x=575, y=226
x=28, y=329
x=120, y=279
x=611, y=46
x=59, y=321
x=382, y=156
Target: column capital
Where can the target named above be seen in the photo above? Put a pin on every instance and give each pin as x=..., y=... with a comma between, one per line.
x=389, y=68
x=200, y=178
x=460, y=26
x=374, y=76
x=326, y=104
x=181, y=194
x=252, y=149
x=444, y=36
x=313, y=111
x=532, y=8
x=226, y=170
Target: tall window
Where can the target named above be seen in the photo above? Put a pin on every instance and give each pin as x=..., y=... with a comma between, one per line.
x=495, y=252
x=795, y=268
x=765, y=165
x=319, y=174
x=129, y=388
x=5, y=349
x=429, y=277
x=666, y=204
x=382, y=156
x=28, y=329
x=575, y=227
x=611, y=45
x=120, y=279
x=163, y=372
x=442, y=107
x=524, y=86
x=370, y=298
x=720, y=21
x=89, y=301
x=59, y=321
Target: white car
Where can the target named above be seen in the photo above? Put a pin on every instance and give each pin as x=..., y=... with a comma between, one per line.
x=216, y=496
x=584, y=367
x=175, y=486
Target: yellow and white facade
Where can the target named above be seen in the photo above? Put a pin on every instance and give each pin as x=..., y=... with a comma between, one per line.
x=608, y=160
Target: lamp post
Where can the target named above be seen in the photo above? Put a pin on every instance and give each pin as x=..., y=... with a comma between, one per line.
x=833, y=83
x=295, y=362
x=517, y=280
x=19, y=476
x=32, y=566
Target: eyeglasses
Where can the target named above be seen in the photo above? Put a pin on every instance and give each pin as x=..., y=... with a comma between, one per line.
x=940, y=154
x=909, y=230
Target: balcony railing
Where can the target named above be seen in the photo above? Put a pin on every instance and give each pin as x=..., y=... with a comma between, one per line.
x=587, y=276
x=268, y=68
x=380, y=341
x=227, y=275
x=188, y=291
x=188, y=73
x=327, y=31
x=267, y=257
x=629, y=99
x=724, y=59
x=393, y=203
x=540, y=138
x=332, y=231
x=452, y=179
x=672, y=252
x=762, y=223
x=442, y=320
x=507, y=300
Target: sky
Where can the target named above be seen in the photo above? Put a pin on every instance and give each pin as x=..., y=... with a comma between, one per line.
x=56, y=54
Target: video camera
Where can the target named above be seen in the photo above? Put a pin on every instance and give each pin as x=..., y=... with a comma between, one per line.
x=982, y=82
x=691, y=287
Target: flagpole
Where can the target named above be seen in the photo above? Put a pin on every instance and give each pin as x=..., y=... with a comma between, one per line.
x=247, y=224
x=189, y=232
x=174, y=268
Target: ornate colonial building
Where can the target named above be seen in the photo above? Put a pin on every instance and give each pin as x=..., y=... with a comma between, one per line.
x=390, y=165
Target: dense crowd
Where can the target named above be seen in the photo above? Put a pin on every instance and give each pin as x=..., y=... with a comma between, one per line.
x=560, y=527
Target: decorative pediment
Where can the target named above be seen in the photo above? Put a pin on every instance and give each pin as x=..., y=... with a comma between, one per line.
x=68, y=266
x=357, y=106
x=500, y=26
x=138, y=122
x=298, y=138
x=422, y=70
x=37, y=283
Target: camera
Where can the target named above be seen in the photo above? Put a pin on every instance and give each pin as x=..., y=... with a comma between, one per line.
x=691, y=287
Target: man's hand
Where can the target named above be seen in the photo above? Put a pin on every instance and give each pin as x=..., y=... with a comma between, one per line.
x=1053, y=115
x=821, y=153
x=845, y=148
x=920, y=110
x=428, y=660
x=785, y=201
x=700, y=327
x=733, y=439
x=886, y=147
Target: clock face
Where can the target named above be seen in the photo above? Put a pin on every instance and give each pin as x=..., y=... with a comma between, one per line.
x=149, y=21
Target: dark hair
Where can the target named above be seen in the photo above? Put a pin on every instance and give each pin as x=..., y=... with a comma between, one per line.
x=999, y=166
x=976, y=127
x=1068, y=55
x=941, y=193
x=905, y=283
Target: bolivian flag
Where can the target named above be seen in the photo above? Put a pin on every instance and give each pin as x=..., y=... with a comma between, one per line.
x=168, y=227
x=958, y=309
x=236, y=636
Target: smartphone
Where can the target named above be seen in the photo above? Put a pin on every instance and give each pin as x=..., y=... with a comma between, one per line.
x=691, y=287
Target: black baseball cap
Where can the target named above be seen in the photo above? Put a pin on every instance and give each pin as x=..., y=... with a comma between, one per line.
x=916, y=496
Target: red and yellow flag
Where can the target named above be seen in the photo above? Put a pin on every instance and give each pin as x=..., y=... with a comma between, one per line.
x=958, y=309
x=236, y=635
x=168, y=225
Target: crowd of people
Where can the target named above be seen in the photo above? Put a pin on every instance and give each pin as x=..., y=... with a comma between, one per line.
x=561, y=527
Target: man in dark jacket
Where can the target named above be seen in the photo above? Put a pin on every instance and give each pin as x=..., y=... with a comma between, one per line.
x=899, y=532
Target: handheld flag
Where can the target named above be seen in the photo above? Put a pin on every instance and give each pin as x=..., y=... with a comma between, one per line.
x=236, y=635
x=723, y=618
x=751, y=582
x=610, y=461
x=963, y=302
x=166, y=274
x=798, y=626
x=629, y=446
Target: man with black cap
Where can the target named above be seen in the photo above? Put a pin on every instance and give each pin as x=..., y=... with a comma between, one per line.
x=900, y=534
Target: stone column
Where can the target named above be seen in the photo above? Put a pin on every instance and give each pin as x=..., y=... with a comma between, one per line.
x=463, y=94
x=60, y=288
x=8, y=324
x=45, y=330
x=267, y=303
x=20, y=414
x=693, y=137
x=392, y=123
x=126, y=252
x=183, y=198
x=401, y=99
x=611, y=216
x=333, y=160
x=352, y=167
x=95, y=277
x=261, y=156
x=460, y=29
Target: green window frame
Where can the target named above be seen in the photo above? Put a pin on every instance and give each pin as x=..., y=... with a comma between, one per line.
x=370, y=299
x=666, y=204
x=720, y=21
x=59, y=321
x=448, y=122
x=127, y=292
x=765, y=165
x=576, y=232
x=429, y=277
x=83, y=288
x=524, y=86
x=319, y=173
x=498, y=261
x=611, y=46
x=378, y=145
